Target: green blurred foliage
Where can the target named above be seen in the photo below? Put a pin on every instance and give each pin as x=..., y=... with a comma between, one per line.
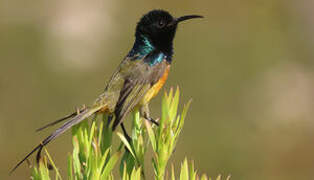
x=90, y=159
x=248, y=67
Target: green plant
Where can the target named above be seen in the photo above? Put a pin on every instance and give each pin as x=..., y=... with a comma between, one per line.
x=93, y=156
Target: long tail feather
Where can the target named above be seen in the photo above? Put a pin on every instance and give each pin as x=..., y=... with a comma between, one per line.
x=59, y=120
x=75, y=120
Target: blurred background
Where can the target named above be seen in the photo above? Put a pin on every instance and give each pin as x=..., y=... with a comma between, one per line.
x=248, y=67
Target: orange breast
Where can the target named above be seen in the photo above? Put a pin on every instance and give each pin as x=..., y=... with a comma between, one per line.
x=153, y=91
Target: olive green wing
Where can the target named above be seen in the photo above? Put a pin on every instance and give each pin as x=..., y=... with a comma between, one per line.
x=139, y=77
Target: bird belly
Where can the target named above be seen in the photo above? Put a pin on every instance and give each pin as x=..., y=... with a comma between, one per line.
x=153, y=91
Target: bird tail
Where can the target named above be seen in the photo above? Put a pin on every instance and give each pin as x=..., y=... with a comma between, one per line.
x=73, y=121
x=61, y=120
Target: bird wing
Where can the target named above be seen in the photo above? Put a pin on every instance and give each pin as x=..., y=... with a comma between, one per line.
x=139, y=76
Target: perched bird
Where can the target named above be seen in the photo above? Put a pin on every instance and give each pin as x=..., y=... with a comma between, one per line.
x=136, y=81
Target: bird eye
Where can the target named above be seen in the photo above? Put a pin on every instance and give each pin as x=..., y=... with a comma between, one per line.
x=161, y=24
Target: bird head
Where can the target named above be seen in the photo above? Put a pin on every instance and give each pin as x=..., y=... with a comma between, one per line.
x=158, y=28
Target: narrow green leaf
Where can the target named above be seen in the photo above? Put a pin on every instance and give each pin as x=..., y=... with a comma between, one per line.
x=92, y=131
x=70, y=169
x=192, y=172
x=110, y=165
x=204, y=177
x=136, y=174
x=124, y=174
x=172, y=173
x=76, y=160
x=174, y=104
x=35, y=174
x=100, y=129
x=126, y=143
x=103, y=159
x=53, y=164
x=184, y=174
x=43, y=170
x=151, y=135
x=169, y=97
x=164, y=111
x=85, y=145
x=106, y=134
x=133, y=174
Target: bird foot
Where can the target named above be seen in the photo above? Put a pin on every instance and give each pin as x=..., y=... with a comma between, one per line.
x=79, y=110
x=153, y=120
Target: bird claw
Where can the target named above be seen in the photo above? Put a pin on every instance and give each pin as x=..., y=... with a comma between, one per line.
x=153, y=120
x=79, y=110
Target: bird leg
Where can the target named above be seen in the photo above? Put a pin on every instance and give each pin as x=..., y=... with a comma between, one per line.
x=128, y=138
x=144, y=111
x=152, y=120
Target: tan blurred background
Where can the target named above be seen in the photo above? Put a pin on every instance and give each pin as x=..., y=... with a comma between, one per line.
x=248, y=67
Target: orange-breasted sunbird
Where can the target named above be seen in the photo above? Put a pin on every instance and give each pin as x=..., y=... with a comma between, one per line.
x=138, y=78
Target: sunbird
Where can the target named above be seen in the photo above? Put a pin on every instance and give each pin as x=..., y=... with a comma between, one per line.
x=138, y=78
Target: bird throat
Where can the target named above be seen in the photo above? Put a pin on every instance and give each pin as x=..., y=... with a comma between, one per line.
x=143, y=47
x=147, y=46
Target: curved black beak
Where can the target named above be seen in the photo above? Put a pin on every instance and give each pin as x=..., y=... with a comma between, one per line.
x=183, y=18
